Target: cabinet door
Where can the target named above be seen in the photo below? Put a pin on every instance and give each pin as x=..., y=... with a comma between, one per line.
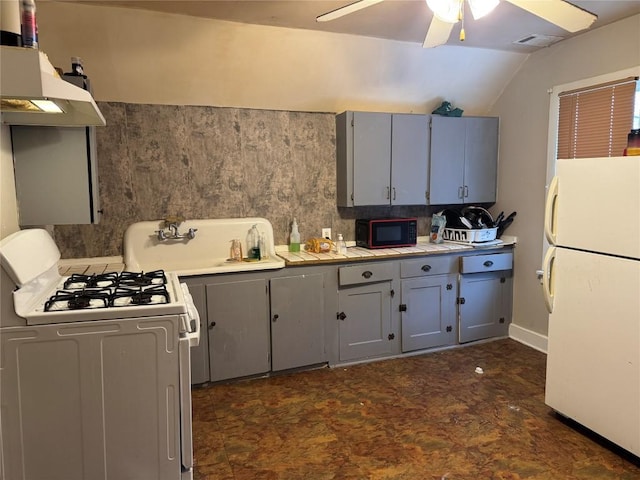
x=446, y=172
x=297, y=321
x=365, y=330
x=409, y=159
x=371, y=158
x=485, y=305
x=199, y=354
x=238, y=316
x=481, y=159
x=56, y=175
x=428, y=312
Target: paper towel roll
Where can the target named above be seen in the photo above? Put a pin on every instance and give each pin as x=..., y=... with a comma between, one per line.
x=10, y=23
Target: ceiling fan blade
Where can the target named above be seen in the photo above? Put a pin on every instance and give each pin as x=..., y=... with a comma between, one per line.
x=346, y=10
x=558, y=12
x=438, y=33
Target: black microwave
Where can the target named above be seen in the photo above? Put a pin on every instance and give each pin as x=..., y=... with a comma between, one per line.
x=386, y=232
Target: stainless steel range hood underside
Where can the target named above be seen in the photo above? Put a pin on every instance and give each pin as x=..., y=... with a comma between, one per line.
x=26, y=75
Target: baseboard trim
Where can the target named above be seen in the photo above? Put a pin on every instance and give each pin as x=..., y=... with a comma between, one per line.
x=528, y=337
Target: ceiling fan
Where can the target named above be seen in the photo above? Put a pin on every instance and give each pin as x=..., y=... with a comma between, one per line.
x=446, y=13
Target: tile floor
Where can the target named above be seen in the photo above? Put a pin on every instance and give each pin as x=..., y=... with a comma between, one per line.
x=425, y=417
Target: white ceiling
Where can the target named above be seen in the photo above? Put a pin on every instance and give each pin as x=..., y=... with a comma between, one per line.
x=402, y=20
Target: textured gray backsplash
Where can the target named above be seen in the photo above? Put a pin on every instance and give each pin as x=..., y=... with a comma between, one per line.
x=210, y=162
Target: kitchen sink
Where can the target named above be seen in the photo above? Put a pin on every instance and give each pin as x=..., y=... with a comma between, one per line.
x=196, y=247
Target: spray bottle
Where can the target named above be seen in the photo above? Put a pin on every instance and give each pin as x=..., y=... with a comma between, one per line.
x=294, y=238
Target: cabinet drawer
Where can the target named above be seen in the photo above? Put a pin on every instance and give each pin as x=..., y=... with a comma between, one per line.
x=487, y=263
x=370, y=273
x=428, y=266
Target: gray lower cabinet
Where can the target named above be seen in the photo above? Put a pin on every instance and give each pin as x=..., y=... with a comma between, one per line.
x=365, y=311
x=239, y=333
x=297, y=321
x=485, y=296
x=428, y=302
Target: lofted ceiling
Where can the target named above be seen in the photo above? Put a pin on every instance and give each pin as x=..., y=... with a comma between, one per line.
x=401, y=20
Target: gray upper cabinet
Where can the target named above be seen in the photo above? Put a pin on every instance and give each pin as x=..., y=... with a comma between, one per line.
x=464, y=160
x=56, y=175
x=382, y=159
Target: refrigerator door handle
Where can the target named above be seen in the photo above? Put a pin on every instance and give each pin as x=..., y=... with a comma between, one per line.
x=547, y=278
x=550, y=212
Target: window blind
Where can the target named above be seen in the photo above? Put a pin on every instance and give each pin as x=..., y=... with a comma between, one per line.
x=594, y=121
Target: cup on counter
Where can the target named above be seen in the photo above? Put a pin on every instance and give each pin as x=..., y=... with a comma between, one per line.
x=235, y=252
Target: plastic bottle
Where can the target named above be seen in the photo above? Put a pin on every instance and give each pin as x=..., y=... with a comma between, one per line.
x=253, y=243
x=294, y=238
x=263, y=247
x=28, y=24
x=341, y=245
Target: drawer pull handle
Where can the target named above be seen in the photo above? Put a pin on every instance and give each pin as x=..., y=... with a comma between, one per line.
x=367, y=274
x=488, y=263
x=426, y=268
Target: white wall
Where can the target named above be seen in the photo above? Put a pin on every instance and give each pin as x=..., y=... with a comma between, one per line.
x=524, y=114
x=8, y=204
x=147, y=57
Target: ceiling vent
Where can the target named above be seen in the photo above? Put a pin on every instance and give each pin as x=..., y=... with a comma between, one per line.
x=537, y=40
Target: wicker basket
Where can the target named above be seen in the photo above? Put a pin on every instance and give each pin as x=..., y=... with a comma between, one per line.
x=470, y=236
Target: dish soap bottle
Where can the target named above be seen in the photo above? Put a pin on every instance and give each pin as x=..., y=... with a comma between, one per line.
x=294, y=238
x=341, y=245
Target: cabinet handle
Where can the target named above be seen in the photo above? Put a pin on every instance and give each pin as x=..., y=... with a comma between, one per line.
x=275, y=317
x=460, y=192
x=426, y=268
x=341, y=316
x=388, y=196
x=211, y=325
x=488, y=263
x=394, y=193
x=466, y=191
x=367, y=274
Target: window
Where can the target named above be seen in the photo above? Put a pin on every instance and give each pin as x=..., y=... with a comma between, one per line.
x=594, y=121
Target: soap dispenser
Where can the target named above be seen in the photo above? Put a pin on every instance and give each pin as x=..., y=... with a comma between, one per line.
x=294, y=238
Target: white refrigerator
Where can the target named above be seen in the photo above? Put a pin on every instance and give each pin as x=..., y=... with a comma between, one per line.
x=591, y=282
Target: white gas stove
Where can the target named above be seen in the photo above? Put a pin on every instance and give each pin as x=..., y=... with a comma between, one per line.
x=122, y=340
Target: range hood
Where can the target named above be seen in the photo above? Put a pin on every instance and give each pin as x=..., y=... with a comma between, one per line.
x=27, y=78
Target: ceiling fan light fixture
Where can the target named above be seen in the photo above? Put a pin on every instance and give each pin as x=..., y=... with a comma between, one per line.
x=446, y=10
x=480, y=8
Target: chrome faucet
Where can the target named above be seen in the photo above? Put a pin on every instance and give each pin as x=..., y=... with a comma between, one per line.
x=172, y=224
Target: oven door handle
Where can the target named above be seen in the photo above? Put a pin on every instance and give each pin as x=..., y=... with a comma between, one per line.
x=186, y=422
x=193, y=318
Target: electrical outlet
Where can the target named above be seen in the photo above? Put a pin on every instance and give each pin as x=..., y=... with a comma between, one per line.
x=326, y=233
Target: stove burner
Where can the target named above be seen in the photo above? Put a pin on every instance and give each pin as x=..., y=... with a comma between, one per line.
x=91, y=281
x=124, y=296
x=140, y=298
x=77, y=300
x=132, y=279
